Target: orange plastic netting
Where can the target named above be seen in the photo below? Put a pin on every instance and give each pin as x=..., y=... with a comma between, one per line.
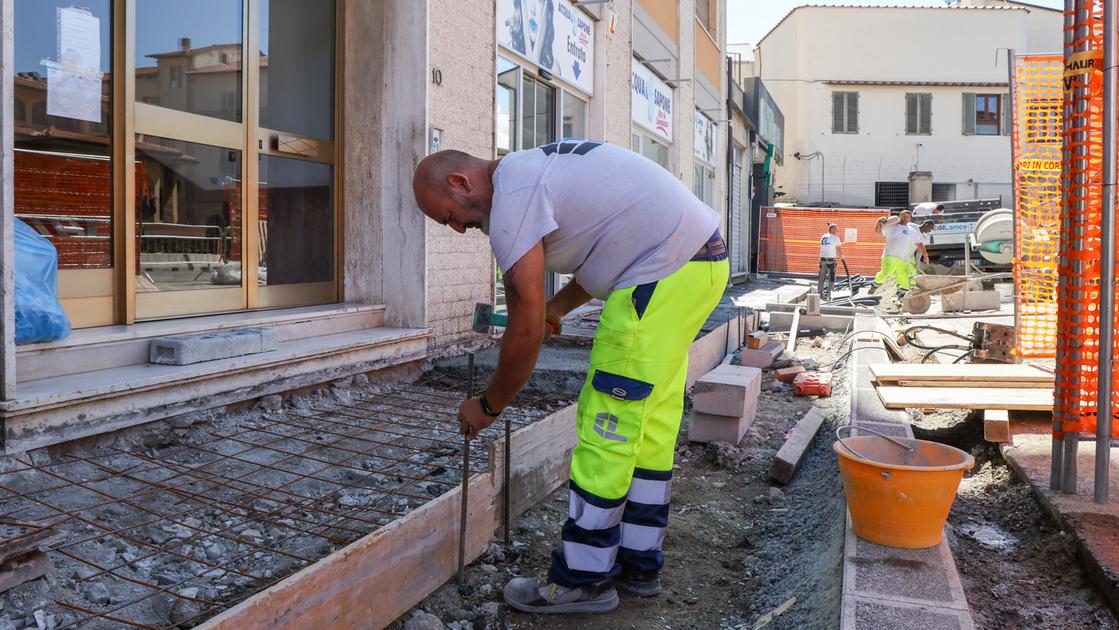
x=1075, y=407
x=1036, y=137
x=789, y=239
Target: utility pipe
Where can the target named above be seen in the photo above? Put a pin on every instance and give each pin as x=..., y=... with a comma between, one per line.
x=1104, y=405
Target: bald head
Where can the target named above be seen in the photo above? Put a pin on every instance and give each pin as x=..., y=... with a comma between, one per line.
x=455, y=189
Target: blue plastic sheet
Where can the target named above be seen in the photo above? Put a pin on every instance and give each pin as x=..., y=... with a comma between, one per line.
x=39, y=316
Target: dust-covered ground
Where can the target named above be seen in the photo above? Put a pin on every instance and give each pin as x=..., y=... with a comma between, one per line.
x=1018, y=568
x=737, y=546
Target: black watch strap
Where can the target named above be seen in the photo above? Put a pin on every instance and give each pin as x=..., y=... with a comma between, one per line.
x=486, y=407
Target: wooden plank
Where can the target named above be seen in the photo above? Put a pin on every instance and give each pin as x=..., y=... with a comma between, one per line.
x=998, y=373
x=975, y=384
x=796, y=445
x=966, y=398
x=540, y=456
x=791, y=346
x=373, y=581
x=996, y=425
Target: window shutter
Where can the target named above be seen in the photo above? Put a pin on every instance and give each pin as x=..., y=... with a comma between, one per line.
x=852, y=112
x=1004, y=114
x=924, y=120
x=911, y=108
x=837, y=118
x=969, y=114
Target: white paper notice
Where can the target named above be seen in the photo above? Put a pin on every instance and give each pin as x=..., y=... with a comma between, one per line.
x=74, y=83
x=850, y=235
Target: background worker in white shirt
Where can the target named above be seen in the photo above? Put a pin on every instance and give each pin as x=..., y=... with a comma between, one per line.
x=830, y=251
x=928, y=208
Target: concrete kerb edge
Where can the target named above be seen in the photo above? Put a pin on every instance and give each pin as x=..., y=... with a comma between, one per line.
x=849, y=596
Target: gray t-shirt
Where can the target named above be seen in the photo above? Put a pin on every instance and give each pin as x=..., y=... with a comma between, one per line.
x=609, y=216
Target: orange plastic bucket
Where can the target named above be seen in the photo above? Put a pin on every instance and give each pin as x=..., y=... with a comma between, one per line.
x=899, y=491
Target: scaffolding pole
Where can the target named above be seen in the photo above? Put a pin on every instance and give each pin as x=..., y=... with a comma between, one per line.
x=1107, y=258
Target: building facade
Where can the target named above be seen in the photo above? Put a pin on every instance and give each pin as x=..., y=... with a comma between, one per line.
x=902, y=93
x=207, y=166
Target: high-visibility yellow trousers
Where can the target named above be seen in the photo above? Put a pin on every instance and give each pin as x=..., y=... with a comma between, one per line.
x=900, y=269
x=629, y=416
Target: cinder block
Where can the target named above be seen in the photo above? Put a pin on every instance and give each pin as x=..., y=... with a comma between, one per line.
x=728, y=390
x=188, y=349
x=706, y=427
x=786, y=375
x=762, y=358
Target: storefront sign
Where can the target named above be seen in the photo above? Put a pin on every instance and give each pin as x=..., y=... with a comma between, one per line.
x=704, y=139
x=651, y=102
x=553, y=35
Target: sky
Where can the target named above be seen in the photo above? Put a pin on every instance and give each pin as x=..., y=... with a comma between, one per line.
x=749, y=20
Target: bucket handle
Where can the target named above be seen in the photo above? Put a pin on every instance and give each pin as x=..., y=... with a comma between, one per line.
x=907, y=447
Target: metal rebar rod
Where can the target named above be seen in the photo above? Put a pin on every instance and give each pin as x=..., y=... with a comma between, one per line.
x=506, y=516
x=465, y=479
x=1104, y=406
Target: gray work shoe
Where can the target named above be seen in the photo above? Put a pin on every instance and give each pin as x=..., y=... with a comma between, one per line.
x=639, y=584
x=528, y=595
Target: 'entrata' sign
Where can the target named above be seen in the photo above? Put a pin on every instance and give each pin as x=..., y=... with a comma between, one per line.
x=552, y=34
x=651, y=102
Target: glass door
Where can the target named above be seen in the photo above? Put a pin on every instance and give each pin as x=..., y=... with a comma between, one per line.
x=190, y=108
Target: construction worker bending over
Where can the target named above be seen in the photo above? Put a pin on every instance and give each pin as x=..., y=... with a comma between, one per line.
x=831, y=249
x=636, y=238
x=901, y=240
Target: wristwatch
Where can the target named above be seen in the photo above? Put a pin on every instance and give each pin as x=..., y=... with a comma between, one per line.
x=486, y=409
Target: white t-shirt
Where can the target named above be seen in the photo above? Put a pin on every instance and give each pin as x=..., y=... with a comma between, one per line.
x=610, y=217
x=828, y=244
x=924, y=209
x=901, y=240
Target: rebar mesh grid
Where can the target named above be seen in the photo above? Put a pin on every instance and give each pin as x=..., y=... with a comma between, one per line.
x=180, y=534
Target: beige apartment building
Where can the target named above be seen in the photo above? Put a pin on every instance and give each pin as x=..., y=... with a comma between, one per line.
x=216, y=165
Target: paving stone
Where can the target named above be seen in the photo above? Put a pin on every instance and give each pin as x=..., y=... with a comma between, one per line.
x=761, y=358
x=705, y=427
x=728, y=390
x=910, y=573
x=886, y=616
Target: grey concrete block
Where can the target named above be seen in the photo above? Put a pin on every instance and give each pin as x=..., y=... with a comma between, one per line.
x=21, y=570
x=917, y=574
x=189, y=349
x=876, y=615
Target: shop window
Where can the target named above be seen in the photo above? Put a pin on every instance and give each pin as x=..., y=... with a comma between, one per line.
x=574, y=116
x=508, y=87
x=703, y=183
x=538, y=112
x=650, y=148
x=62, y=175
x=297, y=56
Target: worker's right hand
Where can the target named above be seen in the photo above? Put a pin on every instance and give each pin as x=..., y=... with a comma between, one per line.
x=472, y=418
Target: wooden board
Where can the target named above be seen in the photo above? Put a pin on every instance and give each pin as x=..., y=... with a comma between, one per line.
x=997, y=373
x=540, y=461
x=966, y=398
x=976, y=384
x=371, y=582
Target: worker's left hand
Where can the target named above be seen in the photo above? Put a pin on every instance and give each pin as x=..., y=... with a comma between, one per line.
x=471, y=418
x=925, y=258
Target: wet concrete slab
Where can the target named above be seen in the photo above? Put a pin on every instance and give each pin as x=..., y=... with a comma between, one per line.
x=1094, y=527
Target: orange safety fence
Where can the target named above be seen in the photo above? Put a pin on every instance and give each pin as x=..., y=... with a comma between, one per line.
x=789, y=239
x=1078, y=324
x=1036, y=137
